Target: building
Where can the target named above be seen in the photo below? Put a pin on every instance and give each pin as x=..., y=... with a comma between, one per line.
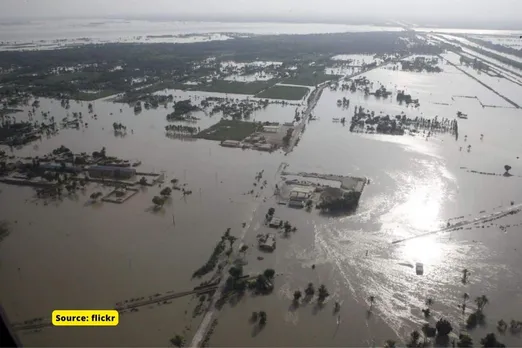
x=271, y=129
x=275, y=222
x=267, y=242
x=264, y=147
x=298, y=197
x=111, y=172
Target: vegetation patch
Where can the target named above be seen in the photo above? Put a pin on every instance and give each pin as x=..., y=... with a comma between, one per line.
x=284, y=92
x=230, y=130
x=222, y=86
x=310, y=77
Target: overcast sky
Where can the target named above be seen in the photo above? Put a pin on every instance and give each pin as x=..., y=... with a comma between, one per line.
x=465, y=10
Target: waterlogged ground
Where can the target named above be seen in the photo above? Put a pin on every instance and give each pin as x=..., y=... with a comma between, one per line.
x=416, y=186
x=93, y=256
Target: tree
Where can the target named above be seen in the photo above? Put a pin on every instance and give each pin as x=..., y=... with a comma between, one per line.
x=178, y=341
x=158, y=201
x=429, y=302
x=428, y=331
x=372, y=300
x=262, y=318
x=166, y=191
x=297, y=295
x=465, y=274
x=323, y=293
x=443, y=327
x=502, y=326
x=481, y=302
x=271, y=211
x=310, y=291
x=465, y=341
x=507, y=168
x=390, y=344
x=414, y=336
x=96, y=195
x=143, y=181
x=236, y=271
x=269, y=273
x=490, y=341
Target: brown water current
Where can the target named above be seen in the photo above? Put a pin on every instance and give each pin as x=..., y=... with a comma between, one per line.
x=69, y=255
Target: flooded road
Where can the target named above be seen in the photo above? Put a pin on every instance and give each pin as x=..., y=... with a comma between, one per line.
x=68, y=255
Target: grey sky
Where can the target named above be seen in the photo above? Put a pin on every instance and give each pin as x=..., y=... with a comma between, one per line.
x=465, y=10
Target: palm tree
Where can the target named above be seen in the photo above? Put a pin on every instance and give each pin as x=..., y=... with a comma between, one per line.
x=372, y=300
x=465, y=274
x=481, y=302
x=465, y=297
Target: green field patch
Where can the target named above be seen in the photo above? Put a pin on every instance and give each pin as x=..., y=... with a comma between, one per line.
x=230, y=130
x=222, y=86
x=284, y=92
x=310, y=77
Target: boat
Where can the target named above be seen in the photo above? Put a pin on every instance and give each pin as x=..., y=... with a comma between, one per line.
x=419, y=268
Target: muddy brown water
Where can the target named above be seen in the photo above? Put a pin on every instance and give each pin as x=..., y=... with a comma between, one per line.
x=76, y=256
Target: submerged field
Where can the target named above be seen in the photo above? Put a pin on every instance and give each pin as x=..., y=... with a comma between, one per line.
x=105, y=253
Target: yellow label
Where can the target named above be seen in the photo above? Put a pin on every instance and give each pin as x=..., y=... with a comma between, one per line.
x=95, y=317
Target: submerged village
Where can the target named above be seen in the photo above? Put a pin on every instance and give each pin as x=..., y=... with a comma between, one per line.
x=172, y=144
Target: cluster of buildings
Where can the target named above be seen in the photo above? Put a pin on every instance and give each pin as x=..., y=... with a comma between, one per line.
x=271, y=137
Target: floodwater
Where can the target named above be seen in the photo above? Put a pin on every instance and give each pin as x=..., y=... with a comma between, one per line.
x=70, y=255
x=44, y=33
x=416, y=186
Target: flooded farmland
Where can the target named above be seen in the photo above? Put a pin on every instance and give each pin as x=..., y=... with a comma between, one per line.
x=431, y=198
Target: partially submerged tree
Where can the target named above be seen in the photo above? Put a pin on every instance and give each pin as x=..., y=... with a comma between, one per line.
x=323, y=293
x=428, y=331
x=390, y=344
x=158, y=201
x=95, y=195
x=443, y=327
x=310, y=291
x=178, y=341
x=490, y=341
x=465, y=341
x=507, y=168
x=414, y=339
x=262, y=318
x=371, y=299
x=166, y=191
x=297, y=295
x=481, y=302
x=502, y=326
x=269, y=273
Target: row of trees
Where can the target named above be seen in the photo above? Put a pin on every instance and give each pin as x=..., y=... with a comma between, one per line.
x=182, y=129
